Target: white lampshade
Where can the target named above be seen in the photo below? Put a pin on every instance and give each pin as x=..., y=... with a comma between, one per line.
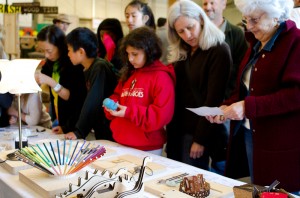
x=17, y=76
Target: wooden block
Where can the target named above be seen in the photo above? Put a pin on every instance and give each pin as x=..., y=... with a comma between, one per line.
x=246, y=191
x=109, y=152
x=12, y=167
x=126, y=161
x=216, y=190
x=46, y=185
x=174, y=194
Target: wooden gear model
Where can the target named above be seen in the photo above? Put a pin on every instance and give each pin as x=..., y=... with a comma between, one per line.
x=107, y=184
x=195, y=186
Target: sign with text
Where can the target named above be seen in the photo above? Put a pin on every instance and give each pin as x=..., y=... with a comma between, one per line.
x=25, y=9
x=26, y=4
x=10, y=9
x=39, y=10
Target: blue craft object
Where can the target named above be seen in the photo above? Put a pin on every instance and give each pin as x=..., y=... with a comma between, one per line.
x=110, y=104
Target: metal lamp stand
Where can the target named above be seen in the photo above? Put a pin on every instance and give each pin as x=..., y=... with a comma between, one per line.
x=20, y=121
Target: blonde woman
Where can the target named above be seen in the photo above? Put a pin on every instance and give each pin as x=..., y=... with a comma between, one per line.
x=202, y=63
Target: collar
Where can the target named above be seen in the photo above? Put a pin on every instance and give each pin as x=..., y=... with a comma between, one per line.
x=271, y=42
x=223, y=26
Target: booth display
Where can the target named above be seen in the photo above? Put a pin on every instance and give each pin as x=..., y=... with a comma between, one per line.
x=65, y=160
x=172, y=182
x=130, y=162
x=109, y=185
x=120, y=167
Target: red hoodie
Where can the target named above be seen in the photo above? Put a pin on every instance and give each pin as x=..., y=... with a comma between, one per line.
x=149, y=95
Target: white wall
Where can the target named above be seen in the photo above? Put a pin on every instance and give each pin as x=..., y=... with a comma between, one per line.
x=232, y=14
x=25, y=20
x=83, y=11
x=87, y=10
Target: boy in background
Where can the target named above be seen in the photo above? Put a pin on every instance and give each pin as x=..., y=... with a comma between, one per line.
x=100, y=82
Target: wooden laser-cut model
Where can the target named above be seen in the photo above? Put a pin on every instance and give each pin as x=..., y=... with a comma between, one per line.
x=107, y=184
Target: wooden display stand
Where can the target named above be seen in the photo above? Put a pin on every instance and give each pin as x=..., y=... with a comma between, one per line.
x=12, y=167
x=45, y=185
x=174, y=194
x=158, y=189
x=11, y=35
x=49, y=186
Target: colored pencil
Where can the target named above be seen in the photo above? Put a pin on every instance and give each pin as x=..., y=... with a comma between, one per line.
x=64, y=152
x=48, y=162
x=55, y=157
x=32, y=163
x=79, y=151
x=100, y=152
x=73, y=153
x=53, y=153
x=43, y=153
x=67, y=157
x=49, y=153
x=58, y=153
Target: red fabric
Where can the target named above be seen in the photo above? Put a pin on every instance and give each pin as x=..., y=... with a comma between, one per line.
x=109, y=45
x=150, y=106
x=273, y=195
x=273, y=107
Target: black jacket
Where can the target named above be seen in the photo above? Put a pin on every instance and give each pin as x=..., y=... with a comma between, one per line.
x=101, y=82
x=5, y=102
x=72, y=78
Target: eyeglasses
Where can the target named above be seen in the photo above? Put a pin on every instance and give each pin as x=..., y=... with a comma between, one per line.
x=250, y=20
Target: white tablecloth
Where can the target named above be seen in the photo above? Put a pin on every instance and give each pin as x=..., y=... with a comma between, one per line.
x=11, y=187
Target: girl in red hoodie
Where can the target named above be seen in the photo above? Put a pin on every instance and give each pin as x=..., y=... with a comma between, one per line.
x=145, y=94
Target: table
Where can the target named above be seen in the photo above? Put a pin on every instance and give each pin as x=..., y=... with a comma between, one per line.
x=11, y=187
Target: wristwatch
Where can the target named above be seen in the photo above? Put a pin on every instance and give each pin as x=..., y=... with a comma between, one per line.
x=57, y=88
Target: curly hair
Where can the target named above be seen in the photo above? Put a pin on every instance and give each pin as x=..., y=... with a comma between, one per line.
x=143, y=38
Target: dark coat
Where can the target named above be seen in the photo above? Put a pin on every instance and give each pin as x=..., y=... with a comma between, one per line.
x=273, y=108
x=72, y=78
x=5, y=102
x=201, y=80
x=101, y=82
x=234, y=37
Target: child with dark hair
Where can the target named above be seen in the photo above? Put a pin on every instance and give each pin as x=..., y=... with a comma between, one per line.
x=161, y=22
x=66, y=82
x=145, y=93
x=100, y=82
x=138, y=14
x=109, y=35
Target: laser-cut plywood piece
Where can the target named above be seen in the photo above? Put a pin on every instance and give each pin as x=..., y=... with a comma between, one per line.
x=12, y=167
x=129, y=162
x=108, y=184
x=174, y=194
x=157, y=187
x=45, y=185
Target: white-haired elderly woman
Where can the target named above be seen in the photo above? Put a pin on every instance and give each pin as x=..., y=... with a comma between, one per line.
x=202, y=64
x=266, y=104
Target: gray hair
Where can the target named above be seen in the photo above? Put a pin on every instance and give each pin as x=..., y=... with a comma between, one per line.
x=210, y=34
x=280, y=9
